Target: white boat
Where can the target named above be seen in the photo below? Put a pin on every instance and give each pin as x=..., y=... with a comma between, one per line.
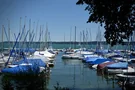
x=45, y=53
x=43, y=58
x=117, y=67
x=116, y=71
x=84, y=52
x=95, y=66
x=90, y=55
x=125, y=76
x=48, y=61
x=71, y=56
x=129, y=70
x=4, y=59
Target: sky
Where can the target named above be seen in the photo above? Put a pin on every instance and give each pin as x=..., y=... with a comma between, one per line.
x=60, y=16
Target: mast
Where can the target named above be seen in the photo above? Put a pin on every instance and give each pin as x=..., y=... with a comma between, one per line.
x=9, y=33
x=24, y=31
x=40, y=39
x=20, y=30
x=46, y=36
x=36, y=35
x=86, y=38
x=2, y=38
x=70, y=37
x=64, y=39
x=83, y=39
x=75, y=37
x=80, y=39
x=42, y=36
x=29, y=31
x=90, y=37
x=32, y=35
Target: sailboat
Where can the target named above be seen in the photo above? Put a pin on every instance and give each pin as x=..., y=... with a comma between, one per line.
x=23, y=66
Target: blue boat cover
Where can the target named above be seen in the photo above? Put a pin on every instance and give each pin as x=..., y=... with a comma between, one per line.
x=22, y=69
x=118, y=65
x=91, y=59
x=99, y=61
x=101, y=51
x=38, y=62
x=32, y=67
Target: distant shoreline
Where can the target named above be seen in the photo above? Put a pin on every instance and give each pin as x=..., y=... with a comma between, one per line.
x=67, y=42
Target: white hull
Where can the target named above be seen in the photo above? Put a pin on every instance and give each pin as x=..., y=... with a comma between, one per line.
x=115, y=71
x=128, y=70
x=43, y=58
x=45, y=53
x=125, y=76
x=71, y=56
x=27, y=64
x=84, y=52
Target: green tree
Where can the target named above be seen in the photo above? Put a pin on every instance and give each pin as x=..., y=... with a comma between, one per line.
x=118, y=17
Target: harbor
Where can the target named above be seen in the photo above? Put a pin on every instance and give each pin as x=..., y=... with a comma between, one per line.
x=55, y=45
x=71, y=72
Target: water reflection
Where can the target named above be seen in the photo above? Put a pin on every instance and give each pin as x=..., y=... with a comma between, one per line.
x=80, y=77
x=24, y=82
x=71, y=61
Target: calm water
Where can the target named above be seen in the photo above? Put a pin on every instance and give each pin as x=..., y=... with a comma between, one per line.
x=77, y=76
x=68, y=73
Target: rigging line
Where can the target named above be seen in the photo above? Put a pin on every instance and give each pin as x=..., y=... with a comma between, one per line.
x=12, y=50
x=5, y=33
x=25, y=39
x=2, y=56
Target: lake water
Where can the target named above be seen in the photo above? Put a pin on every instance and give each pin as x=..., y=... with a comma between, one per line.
x=72, y=74
x=77, y=76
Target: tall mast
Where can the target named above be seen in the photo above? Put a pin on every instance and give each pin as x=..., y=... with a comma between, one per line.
x=64, y=39
x=20, y=30
x=80, y=39
x=24, y=31
x=42, y=36
x=9, y=32
x=46, y=36
x=29, y=31
x=40, y=39
x=2, y=37
x=86, y=37
x=36, y=32
x=90, y=37
x=75, y=37
x=32, y=34
x=83, y=39
x=70, y=36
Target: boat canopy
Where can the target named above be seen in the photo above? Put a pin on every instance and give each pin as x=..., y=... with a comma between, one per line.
x=118, y=65
x=91, y=59
x=99, y=61
x=22, y=69
x=25, y=66
x=103, y=65
x=38, y=62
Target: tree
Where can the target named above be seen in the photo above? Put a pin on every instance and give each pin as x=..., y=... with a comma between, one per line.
x=118, y=17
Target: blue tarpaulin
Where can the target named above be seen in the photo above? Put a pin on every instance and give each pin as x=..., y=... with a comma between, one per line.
x=25, y=66
x=32, y=61
x=91, y=59
x=99, y=61
x=118, y=65
x=22, y=69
